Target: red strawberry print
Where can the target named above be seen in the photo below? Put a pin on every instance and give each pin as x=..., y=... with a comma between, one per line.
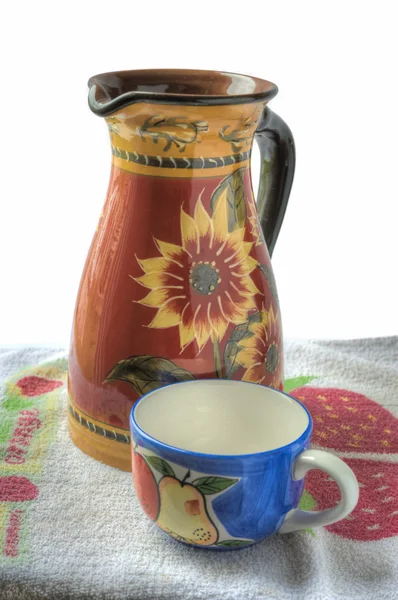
x=14, y=488
x=349, y=422
x=36, y=386
x=376, y=514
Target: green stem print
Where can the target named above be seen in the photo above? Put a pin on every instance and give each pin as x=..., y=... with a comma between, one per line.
x=218, y=362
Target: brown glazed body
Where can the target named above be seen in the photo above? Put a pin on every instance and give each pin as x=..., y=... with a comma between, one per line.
x=178, y=282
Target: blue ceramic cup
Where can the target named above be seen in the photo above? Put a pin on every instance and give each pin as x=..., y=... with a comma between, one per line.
x=221, y=464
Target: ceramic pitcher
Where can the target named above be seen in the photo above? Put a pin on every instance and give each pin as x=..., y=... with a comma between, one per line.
x=178, y=283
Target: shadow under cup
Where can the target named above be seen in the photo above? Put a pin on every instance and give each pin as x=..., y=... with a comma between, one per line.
x=213, y=460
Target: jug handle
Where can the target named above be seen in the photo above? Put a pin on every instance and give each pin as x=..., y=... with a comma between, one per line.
x=278, y=159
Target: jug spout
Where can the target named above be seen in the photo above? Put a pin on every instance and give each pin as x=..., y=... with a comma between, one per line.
x=177, y=123
x=110, y=92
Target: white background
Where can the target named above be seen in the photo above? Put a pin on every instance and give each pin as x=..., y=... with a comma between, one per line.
x=336, y=67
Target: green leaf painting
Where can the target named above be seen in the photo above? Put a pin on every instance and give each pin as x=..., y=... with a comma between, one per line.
x=147, y=373
x=160, y=465
x=232, y=347
x=233, y=188
x=213, y=485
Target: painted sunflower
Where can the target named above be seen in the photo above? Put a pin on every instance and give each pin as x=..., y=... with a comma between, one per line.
x=203, y=285
x=260, y=353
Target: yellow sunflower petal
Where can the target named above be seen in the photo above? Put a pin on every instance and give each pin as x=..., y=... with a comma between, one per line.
x=237, y=318
x=244, y=302
x=167, y=316
x=201, y=326
x=234, y=243
x=158, y=296
x=231, y=312
x=203, y=221
x=245, y=286
x=242, y=294
x=247, y=302
x=270, y=315
x=153, y=265
x=239, y=256
x=187, y=334
x=186, y=328
x=252, y=263
x=255, y=373
x=169, y=250
x=220, y=327
x=189, y=231
x=265, y=316
x=157, y=279
x=247, y=265
x=150, y=280
x=220, y=219
x=257, y=340
x=217, y=322
x=249, y=356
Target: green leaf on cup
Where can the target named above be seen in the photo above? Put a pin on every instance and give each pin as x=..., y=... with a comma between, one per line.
x=296, y=382
x=213, y=485
x=147, y=373
x=234, y=543
x=160, y=465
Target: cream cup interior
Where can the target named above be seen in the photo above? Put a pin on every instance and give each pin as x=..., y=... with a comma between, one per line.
x=221, y=417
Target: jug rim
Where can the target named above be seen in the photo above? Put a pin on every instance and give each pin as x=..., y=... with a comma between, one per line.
x=114, y=90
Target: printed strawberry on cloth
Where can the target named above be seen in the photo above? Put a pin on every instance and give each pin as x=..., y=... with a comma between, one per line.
x=71, y=527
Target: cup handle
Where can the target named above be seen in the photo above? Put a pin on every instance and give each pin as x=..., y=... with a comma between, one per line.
x=344, y=477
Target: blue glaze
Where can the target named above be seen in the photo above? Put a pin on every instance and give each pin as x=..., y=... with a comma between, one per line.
x=256, y=506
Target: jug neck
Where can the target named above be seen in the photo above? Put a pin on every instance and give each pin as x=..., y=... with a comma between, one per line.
x=182, y=141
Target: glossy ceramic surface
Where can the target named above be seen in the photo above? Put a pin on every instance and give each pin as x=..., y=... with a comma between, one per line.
x=178, y=284
x=223, y=476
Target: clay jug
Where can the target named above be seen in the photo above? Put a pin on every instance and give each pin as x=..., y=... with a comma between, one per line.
x=178, y=282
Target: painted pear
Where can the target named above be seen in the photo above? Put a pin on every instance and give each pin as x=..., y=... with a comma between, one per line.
x=183, y=513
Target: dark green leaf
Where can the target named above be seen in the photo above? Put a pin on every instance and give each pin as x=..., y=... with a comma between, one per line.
x=264, y=185
x=147, y=373
x=296, y=382
x=269, y=276
x=232, y=347
x=231, y=351
x=232, y=543
x=160, y=465
x=213, y=485
x=218, y=365
x=243, y=330
x=233, y=186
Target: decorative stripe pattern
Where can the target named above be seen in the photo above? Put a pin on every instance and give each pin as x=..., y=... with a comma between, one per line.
x=184, y=162
x=110, y=434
